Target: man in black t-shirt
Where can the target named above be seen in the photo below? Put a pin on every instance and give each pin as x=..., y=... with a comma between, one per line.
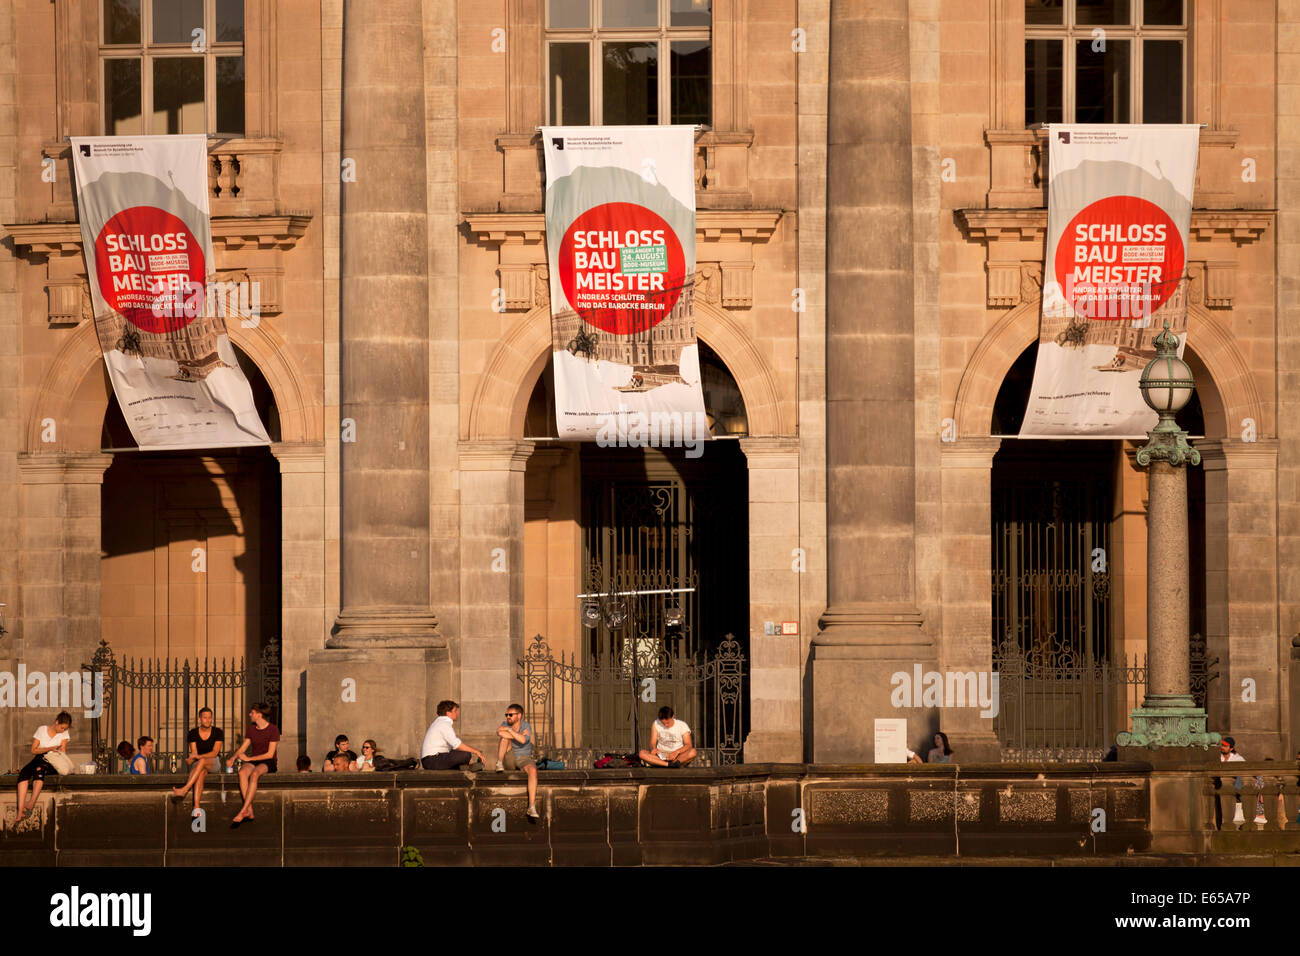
x=341, y=748
x=204, y=742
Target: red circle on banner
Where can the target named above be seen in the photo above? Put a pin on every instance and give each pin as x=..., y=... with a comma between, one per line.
x=621, y=267
x=1120, y=257
x=145, y=255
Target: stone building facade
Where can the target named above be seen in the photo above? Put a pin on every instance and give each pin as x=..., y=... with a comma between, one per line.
x=871, y=195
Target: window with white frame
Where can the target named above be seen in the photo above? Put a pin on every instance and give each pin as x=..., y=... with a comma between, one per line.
x=1105, y=61
x=628, y=62
x=172, y=66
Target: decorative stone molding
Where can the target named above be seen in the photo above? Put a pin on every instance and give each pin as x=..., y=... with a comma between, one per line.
x=69, y=301
x=721, y=170
x=1018, y=163
x=260, y=232
x=975, y=452
x=770, y=452
x=724, y=254
x=489, y=454
x=63, y=468
x=517, y=286
x=737, y=285
x=1015, y=243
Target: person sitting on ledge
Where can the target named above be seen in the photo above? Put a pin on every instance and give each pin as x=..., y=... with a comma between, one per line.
x=50, y=737
x=442, y=749
x=341, y=746
x=304, y=763
x=204, y=757
x=369, y=751
x=140, y=762
x=341, y=764
x=125, y=751
x=258, y=755
x=670, y=742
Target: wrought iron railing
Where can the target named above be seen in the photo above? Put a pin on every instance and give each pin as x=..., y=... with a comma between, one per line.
x=580, y=710
x=1057, y=704
x=147, y=697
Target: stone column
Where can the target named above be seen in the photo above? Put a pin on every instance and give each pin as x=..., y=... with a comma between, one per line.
x=872, y=626
x=57, y=622
x=302, y=574
x=386, y=666
x=491, y=583
x=384, y=328
x=1168, y=614
x=1241, y=594
x=966, y=589
x=774, y=700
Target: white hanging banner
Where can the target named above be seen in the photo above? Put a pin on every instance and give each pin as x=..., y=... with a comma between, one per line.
x=143, y=205
x=620, y=237
x=1119, y=207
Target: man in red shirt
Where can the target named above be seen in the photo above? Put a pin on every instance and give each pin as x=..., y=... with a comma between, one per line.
x=258, y=754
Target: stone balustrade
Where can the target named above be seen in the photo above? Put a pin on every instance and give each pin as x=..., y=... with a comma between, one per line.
x=594, y=818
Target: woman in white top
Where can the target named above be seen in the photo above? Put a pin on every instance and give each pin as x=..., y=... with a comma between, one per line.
x=48, y=738
x=367, y=759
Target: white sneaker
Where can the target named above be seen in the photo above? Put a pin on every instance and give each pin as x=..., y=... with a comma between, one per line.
x=1261, y=818
x=501, y=768
x=532, y=812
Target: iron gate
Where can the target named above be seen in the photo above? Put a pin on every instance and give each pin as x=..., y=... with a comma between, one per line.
x=582, y=708
x=147, y=697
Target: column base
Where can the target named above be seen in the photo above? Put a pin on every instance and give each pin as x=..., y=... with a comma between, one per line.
x=1168, y=721
x=774, y=746
x=397, y=627
x=387, y=693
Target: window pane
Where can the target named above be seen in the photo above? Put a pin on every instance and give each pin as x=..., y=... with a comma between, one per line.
x=570, y=84
x=230, y=95
x=631, y=83
x=122, y=98
x=230, y=21
x=174, y=20
x=1101, y=83
x=121, y=21
x=569, y=14
x=1162, y=81
x=621, y=14
x=1044, y=11
x=178, y=95
x=691, y=13
x=1044, y=70
x=1108, y=12
x=690, y=81
x=1163, y=13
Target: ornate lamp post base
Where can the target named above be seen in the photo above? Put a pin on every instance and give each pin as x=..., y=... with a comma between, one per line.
x=1170, y=721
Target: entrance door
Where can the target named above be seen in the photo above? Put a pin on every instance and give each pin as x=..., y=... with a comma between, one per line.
x=1052, y=509
x=657, y=520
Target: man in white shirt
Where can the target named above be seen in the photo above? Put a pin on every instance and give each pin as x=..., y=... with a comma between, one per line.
x=670, y=742
x=442, y=749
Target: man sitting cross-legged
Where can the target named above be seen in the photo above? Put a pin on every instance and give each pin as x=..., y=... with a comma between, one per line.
x=670, y=742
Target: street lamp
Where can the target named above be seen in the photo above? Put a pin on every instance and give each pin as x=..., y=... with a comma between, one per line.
x=1168, y=716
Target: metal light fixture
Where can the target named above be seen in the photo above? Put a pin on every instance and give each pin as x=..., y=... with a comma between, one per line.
x=673, y=616
x=616, y=614
x=1167, y=385
x=591, y=615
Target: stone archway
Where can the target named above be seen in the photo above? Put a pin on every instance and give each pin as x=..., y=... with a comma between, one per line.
x=500, y=401
x=1230, y=395
x=63, y=394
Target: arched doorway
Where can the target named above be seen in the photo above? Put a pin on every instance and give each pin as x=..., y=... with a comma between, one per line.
x=601, y=520
x=1068, y=529
x=191, y=544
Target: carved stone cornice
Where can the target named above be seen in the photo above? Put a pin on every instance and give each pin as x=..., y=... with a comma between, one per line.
x=1015, y=238
x=724, y=225
x=262, y=232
